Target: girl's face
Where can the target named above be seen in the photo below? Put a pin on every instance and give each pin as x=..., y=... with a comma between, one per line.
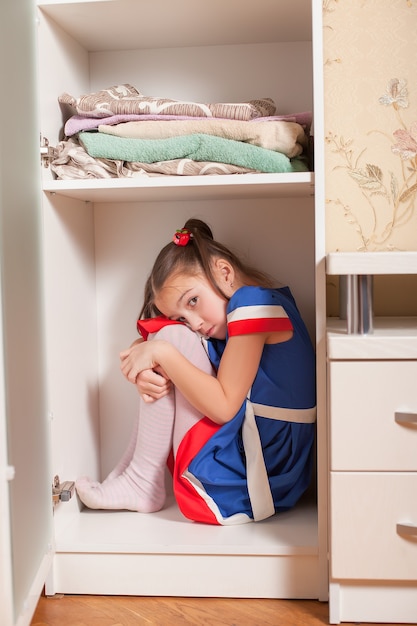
x=191, y=299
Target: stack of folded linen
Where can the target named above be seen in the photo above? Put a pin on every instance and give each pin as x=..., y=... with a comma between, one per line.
x=118, y=132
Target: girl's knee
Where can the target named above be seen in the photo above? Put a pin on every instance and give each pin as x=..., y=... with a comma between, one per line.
x=176, y=334
x=187, y=342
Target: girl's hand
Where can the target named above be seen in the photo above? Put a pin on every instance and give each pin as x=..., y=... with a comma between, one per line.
x=153, y=384
x=136, y=359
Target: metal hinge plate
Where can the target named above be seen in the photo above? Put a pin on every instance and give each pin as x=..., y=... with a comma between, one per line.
x=48, y=153
x=62, y=492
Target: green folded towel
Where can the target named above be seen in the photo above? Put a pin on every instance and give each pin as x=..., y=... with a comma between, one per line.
x=198, y=147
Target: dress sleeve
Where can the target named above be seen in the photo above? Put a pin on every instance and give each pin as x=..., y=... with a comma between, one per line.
x=256, y=310
x=152, y=325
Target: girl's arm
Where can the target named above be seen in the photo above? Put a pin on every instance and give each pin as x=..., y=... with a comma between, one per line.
x=217, y=397
x=152, y=384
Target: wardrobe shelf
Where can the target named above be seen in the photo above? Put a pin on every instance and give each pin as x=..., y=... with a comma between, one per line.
x=240, y=23
x=363, y=263
x=391, y=336
x=168, y=532
x=171, y=188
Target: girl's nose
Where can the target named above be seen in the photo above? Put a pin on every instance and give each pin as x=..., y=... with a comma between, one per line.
x=196, y=323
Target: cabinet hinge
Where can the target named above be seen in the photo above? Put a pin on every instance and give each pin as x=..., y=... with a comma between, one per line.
x=47, y=152
x=62, y=492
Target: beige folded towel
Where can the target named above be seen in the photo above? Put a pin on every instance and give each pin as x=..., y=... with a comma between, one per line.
x=288, y=138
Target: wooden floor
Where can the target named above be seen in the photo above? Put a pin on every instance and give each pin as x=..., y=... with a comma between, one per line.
x=133, y=611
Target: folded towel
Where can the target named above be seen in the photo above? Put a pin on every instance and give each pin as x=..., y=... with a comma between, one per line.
x=198, y=147
x=78, y=123
x=72, y=162
x=121, y=99
x=286, y=137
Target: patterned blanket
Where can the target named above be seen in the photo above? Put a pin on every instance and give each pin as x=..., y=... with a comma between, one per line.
x=125, y=99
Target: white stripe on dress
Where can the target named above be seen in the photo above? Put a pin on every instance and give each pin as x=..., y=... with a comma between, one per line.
x=256, y=312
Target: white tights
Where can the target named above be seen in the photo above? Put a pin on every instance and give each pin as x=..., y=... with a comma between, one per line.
x=137, y=483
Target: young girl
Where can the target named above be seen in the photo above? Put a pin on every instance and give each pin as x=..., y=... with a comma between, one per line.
x=242, y=439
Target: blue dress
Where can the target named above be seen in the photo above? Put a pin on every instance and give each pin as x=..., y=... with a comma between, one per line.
x=260, y=462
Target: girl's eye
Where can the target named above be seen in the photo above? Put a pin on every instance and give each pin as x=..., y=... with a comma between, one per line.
x=183, y=320
x=191, y=303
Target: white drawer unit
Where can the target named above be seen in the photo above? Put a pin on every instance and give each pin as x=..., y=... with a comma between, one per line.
x=372, y=409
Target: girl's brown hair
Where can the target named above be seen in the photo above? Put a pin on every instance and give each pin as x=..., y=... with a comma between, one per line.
x=195, y=257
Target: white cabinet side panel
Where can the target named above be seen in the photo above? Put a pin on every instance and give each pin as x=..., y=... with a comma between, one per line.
x=63, y=67
x=70, y=296
x=26, y=502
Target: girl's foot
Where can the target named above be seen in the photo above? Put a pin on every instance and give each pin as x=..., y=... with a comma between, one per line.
x=121, y=493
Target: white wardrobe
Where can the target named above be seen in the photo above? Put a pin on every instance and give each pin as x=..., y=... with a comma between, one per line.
x=74, y=258
x=73, y=271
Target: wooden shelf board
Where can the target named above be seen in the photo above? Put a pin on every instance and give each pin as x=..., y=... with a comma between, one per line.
x=364, y=263
x=392, y=338
x=168, y=532
x=171, y=188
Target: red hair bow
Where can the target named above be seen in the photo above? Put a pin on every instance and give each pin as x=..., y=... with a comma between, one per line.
x=182, y=236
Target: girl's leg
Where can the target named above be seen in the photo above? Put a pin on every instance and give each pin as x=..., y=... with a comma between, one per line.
x=141, y=484
x=127, y=455
x=190, y=345
x=140, y=487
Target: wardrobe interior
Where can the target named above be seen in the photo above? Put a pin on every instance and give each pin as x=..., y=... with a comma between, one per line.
x=100, y=240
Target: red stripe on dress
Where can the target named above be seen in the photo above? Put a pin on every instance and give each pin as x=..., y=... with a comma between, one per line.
x=264, y=324
x=190, y=503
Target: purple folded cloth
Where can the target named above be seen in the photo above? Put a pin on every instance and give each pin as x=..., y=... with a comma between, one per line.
x=78, y=123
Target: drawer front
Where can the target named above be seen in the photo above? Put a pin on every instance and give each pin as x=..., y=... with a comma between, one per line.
x=373, y=531
x=365, y=432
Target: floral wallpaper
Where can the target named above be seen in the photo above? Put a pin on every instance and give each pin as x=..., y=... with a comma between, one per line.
x=370, y=79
